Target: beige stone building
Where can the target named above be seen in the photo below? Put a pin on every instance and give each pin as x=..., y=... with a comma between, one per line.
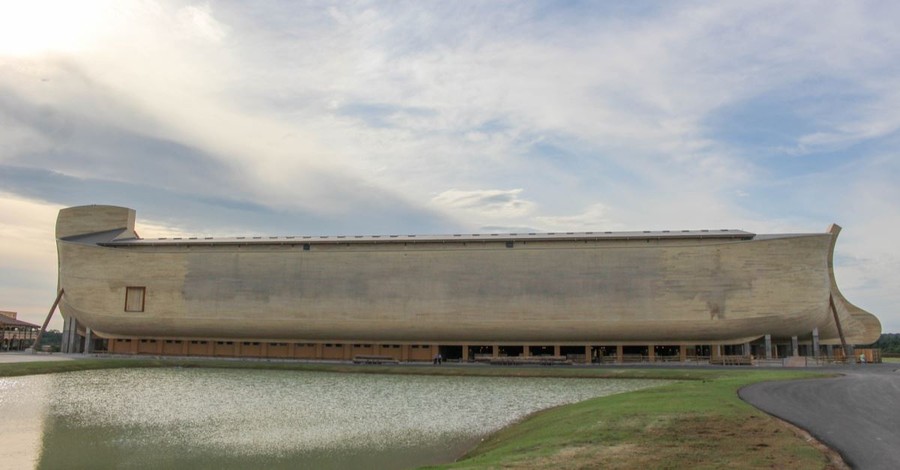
x=589, y=296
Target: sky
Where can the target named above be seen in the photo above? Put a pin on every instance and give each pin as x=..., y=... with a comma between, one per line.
x=431, y=117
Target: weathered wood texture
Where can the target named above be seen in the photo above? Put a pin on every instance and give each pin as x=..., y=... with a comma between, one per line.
x=563, y=291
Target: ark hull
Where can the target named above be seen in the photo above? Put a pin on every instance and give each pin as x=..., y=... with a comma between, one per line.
x=721, y=287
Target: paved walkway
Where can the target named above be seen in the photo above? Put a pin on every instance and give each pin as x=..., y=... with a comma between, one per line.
x=19, y=356
x=857, y=414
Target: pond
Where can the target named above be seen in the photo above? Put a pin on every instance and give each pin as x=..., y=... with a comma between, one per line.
x=226, y=418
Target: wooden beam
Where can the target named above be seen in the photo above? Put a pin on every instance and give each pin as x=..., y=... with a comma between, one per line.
x=837, y=321
x=37, y=340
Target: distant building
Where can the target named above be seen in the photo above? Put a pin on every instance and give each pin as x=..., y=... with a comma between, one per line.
x=16, y=335
x=589, y=296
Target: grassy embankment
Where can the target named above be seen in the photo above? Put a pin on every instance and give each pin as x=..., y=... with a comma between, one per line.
x=33, y=368
x=697, y=422
x=688, y=424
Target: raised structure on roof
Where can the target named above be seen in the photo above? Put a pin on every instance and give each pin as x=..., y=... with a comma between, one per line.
x=585, y=295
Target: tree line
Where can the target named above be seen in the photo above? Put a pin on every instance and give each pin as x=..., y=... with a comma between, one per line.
x=52, y=338
x=888, y=343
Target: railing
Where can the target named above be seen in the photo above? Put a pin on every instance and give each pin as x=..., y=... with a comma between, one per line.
x=697, y=359
x=769, y=362
x=735, y=360
x=732, y=360
x=374, y=360
x=579, y=358
x=643, y=358
x=634, y=358
x=530, y=360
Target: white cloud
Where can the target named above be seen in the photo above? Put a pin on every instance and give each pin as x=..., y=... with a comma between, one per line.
x=597, y=121
x=594, y=218
x=862, y=122
x=27, y=258
x=868, y=268
x=198, y=21
x=484, y=206
x=639, y=93
x=42, y=26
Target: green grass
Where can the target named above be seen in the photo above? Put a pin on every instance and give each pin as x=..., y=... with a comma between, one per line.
x=689, y=424
x=50, y=367
x=696, y=422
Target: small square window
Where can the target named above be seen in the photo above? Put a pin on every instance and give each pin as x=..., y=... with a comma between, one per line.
x=134, y=299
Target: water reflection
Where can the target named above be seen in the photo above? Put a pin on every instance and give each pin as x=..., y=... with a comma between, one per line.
x=212, y=418
x=22, y=407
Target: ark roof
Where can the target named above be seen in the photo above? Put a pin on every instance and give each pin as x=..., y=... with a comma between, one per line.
x=474, y=237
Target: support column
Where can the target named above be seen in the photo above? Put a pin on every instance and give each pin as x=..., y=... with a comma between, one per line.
x=715, y=351
x=651, y=353
x=587, y=355
x=815, y=345
x=465, y=353
x=682, y=353
x=75, y=339
x=768, y=346
x=70, y=335
x=525, y=351
x=347, y=351
x=620, y=353
x=88, y=341
x=746, y=349
x=795, y=346
x=556, y=350
x=495, y=350
x=64, y=345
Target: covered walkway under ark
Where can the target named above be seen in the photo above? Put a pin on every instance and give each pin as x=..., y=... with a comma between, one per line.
x=16, y=335
x=762, y=350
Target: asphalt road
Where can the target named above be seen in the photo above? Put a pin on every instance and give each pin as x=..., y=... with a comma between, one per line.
x=857, y=414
